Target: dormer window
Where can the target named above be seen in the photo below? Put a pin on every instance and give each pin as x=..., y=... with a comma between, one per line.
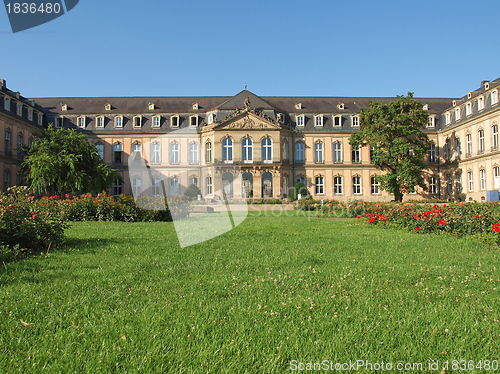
x=19, y=109
x=487, y=85
x=432, y=122
x=151, y=106
x=457, y=114
x=426, y=107
x=80, y=122
x=40, y=119
x=174, y=121
x=193, y=121
x=341, y=106
x=318, y=120
x=480, y=103
x=494, y=97
x=210, y=119
x=281, y=118
x=298, y=106
x=355, y=121
x=301, y=120
x=119, y=121
x=137, y=121
x=454, y=102
x=30, y=114
x=99, y=121
x=448, y=118
x=337, y=121
x=195, y=106
x=6, y=103
x=469, y=95
x=156, y=121
x=107, y=107
x=64, y=107
x=59, y=122
x=468, y=109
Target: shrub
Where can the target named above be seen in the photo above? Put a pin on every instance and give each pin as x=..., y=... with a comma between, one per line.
x=192, y=192
x=299, y=188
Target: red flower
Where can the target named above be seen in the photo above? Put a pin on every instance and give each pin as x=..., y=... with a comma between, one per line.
x=358, y=216
x=476, y=216
x=371, y=220
x=417, y=228
x=33, y=216
x=442, y=222
x=66, y=196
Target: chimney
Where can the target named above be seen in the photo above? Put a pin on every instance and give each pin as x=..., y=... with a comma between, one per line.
x=3, y=83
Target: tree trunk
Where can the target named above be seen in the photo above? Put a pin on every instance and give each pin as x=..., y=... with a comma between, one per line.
x=398, y=196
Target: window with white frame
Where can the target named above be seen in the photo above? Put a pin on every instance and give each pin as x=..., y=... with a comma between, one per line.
x=6, y=103
x=8, y=143
x=301, y=121
x=318, y=120
x=468, y=109
x=208, y=152
x=301, y=179
x=117, y=187
x=482, y=179
x=40, y=119
x=457, y=114
x=449, y=185
x=210, y=119
x=19, y=107
x=136, y=153
x=80, y=122
x=156, y=121
x=227, y=150
x=337, y=152
x=285, y=151
x=136, y=186
x=99, y=121
x=117, y=153
x=356, y=155
x=480, y=103
x=481, y=141
x=494, y=137
x=174, y=121
x=193, y=121
x=433, y=186
x=375, y=184
x=155, y=186
x=174, y=153
x=208, y=185
x=300, y=155
x=468, y=137
x=59, y=122
x=447, y=118
x=447, y=150
x=174, y=186
x=496, y=177
x=494, y=97
x=459, y=183
x=318, y=153
x=432, y=121
x=337, y=121
x=355, y=121
x=337, y=185
x=119, y=121
x=193, y=153
x=193, y=180
x=470, y=181
x=100, y=150
x=155, y=153
x=320, y=185
x=267, y=150
x=247, y=150
x=458, y=148
x=356, y=185
x=137, y=121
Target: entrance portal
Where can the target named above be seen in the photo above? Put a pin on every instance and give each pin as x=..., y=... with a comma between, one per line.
x=227, y=186
x=247, y=185
x=267, y=185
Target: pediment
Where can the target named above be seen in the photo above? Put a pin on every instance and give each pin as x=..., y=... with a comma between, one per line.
x=247, y=121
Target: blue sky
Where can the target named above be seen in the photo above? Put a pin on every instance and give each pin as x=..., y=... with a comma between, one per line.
x=278, y=48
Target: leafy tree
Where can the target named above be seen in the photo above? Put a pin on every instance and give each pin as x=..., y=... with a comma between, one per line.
x=394, y=131
x=192, y=191
x=65, y=161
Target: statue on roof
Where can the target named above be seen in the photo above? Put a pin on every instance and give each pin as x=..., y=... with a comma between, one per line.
x=246, y=103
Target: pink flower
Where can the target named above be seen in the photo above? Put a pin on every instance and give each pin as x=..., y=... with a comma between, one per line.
x=33, y=216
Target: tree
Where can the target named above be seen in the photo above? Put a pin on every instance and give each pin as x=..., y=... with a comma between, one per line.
x=65, y=161
x=298, y=188
x=192, y=191
x=394, y=131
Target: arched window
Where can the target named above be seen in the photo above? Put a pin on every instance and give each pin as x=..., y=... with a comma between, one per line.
x=300, y=154
x=247, y=150
x=227, y=150
x=267, y=150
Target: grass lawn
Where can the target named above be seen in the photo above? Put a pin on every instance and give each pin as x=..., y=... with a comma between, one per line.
x=123, y=297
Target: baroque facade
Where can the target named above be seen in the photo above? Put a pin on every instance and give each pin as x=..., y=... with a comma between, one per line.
x=270, y=142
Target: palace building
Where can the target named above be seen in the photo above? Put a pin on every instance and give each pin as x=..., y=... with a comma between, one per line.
x=271, y=142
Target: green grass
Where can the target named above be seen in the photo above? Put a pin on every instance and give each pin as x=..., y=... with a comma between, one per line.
x=124, y=297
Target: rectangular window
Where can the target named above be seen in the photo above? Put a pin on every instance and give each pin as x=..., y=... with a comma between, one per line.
x=119, y=121
x=433, y=186
x=137, y=121
x=356, y=156
x=174, y=153
x=459, y=183
x=468, y=109
x=458, y=148
x=457, y=114
x=482, y=179
x=8, y=143
x=318, y=153
x=19, y=107
x=300, y=153
x=136, y=186
x=494, y=136
x=117, y=187
x=356, y=185
x=193, y=121
x=320, y=185
x=6, y=104
x=100, y=150
x=480, y=103
x=318, y=121
x=208, y=152
x=80, y=122
x=470, y=181
x=496, y=177
x=469, y=145
x=208, y=181
x=449, y=185
x=155, y=186
x=337, y=153
x=300, y=121
x=481, y=141
x=174, y=186
x=99, y=122
x=355, y=121
x=137, y=153
x=337, y=121
x=375, y=186
x=59, y=122
x=174, y=121
x=432, y=121
x=193, y=153
x=337, y=186
x=6, y=180
x=40, y=119
x=193, y=180
x=155, y=154
x=117, y=153
x=156, y=121
x=494, y=97
x=432, y=153
x=447, y=150
x=448, y=118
